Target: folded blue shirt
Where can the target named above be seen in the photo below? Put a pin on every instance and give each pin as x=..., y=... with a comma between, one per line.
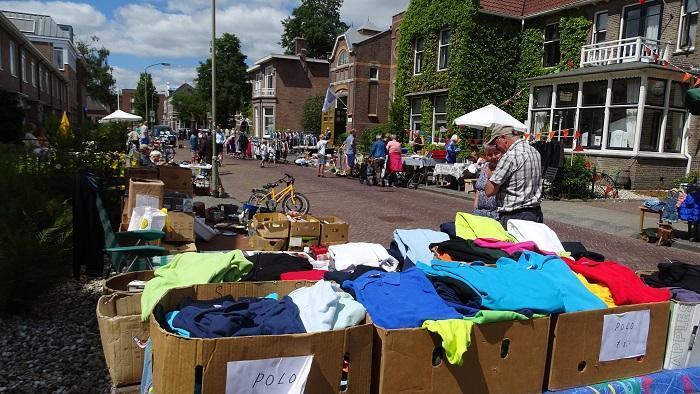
x=400, y=299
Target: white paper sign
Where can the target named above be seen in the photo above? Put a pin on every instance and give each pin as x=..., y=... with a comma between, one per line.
x=624, y=335
x=145, y=200
x=268, y=376
x=295, y=241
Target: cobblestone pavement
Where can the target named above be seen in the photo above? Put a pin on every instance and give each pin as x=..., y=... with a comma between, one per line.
x=374, y=213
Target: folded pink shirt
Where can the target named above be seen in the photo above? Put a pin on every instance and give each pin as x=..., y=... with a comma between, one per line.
x=508, y=247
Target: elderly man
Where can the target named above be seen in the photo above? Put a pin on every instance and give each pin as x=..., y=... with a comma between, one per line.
x=517, y=180
x=378, y=155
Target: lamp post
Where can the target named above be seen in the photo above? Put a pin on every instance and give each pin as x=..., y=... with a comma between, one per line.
x=145, y=88
x=214, y=162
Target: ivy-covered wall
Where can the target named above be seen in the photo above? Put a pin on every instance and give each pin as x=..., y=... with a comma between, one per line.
x=490, y=56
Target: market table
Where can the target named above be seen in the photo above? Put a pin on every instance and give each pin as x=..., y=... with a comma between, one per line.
x=418, y=161
x=200, y=172
x=456, y=169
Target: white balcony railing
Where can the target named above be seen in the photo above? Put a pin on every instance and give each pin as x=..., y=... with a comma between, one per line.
x=635, y=49
x=264, y=92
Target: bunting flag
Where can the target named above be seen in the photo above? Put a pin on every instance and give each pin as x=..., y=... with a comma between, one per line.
x=566, y=133
x=577, y=134
x=686, y=77
x=551, y=135
x=697, y=83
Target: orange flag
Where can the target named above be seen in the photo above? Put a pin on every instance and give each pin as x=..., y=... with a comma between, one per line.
x=577, y=134
x=551, y=135
x=566, y=133
x=686, y=77
x=697, y=83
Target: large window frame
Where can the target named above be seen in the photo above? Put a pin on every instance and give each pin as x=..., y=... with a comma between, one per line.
x=343, y=58
x=416, y=113
x=687, y=26
x=551, y=42
x=418, y=49
x=59, y=59
x=268, y=119
x=13, y=58
x=33, y=68
x=23, y=65
x=439, y=115
x=444, y=49
x=600, y=27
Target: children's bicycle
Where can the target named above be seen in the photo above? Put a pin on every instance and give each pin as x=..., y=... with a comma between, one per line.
x=291, y=201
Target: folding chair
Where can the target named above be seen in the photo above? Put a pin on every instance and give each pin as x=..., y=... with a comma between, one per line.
x=550, y=174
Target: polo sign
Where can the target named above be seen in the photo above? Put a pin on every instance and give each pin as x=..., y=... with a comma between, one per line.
x=624, y=335
x=268, y=376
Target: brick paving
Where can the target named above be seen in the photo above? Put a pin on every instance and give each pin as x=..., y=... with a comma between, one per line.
x=374, y=213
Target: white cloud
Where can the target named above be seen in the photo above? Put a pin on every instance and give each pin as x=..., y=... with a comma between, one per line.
x=84, y=18
x=128, y=78
x=379, y=12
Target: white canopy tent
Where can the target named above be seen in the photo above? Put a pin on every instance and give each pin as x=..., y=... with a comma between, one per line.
x=120, y=116
x=488, y=117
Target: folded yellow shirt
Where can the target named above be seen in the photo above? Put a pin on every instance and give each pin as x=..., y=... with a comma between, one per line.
x=600, y=291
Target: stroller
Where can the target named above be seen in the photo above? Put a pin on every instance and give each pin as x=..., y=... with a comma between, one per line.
x=367, y=173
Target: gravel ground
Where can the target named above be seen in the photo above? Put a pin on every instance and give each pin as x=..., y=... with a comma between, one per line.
x=55, y=348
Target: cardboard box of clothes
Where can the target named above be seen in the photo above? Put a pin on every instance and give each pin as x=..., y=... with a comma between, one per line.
x=333, y=230
x=180, y=364
x=271, y=225
x=176, y=179
x=257, y=242
x=503, y=357
x=145, y=192
x=596, y=346
x=683, y=346
x=118, y=316
x=304, y=226
x=180, y=227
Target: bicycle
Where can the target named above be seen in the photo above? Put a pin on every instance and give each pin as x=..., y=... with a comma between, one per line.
x=604, y=186
x=269, y=198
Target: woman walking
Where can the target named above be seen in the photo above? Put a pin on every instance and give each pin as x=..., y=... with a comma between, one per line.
x=395, y=164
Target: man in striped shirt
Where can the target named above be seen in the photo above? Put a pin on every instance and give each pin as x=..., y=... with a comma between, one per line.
x=517, y=180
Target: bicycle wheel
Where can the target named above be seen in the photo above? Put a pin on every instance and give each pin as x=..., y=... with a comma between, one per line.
x=605, y=187
x=260, y=199
x=298, y=204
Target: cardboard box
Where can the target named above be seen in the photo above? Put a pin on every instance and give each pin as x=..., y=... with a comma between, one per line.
x=181, y=227
x=176, y=179
x=504, y=357
x=310, y=227
x=181, y=363
x=256, y=242
x=144, y=192
x=142, y=172
x=119, y=319
x=576, y=346
x=271, y=225
x=120, y=283
x=297, y=244
x=174, y=201
x=334, y=231
x=682, y=345
x=180, y=247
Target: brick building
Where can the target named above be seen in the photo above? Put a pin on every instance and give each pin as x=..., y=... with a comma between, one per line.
x=360, y=75
x=169, y=114
x=41, y=88
x=281, y=86
x=56, y=42
x=127, y=100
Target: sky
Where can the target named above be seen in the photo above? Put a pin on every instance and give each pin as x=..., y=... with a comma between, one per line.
x=140, y=33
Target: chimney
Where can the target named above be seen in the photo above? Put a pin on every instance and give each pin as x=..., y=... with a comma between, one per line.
x=299, y=46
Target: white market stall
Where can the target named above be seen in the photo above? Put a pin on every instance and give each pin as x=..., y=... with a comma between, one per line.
x=488, y=117
x=120, y=116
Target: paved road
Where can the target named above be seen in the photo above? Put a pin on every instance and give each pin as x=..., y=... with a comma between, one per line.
x=374, y=213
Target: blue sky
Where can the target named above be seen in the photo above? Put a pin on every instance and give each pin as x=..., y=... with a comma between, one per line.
x=140, y=33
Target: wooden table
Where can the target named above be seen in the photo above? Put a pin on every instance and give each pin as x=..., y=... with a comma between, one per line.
x=643, y=210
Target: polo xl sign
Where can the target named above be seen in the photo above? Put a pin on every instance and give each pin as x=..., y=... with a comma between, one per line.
x=624, y=335
x=268, y=376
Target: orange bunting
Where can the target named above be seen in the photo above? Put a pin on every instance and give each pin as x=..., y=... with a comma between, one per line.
x=577, y=134
x=686, y=77
x=697, y=83
x=551, y=135
x=566, y=133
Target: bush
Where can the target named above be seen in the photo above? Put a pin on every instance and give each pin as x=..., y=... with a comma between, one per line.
x=574, y=179
x=311, y=116
x=693, y=176
x=367, y=137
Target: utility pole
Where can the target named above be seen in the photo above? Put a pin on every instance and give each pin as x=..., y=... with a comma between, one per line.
x=214, y=163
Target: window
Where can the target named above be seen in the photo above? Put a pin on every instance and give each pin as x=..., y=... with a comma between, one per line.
x=564, y=116
x=444, y=49
x=623, y=113
x=552, y=53
x=440, y=112
x=415, y=114
x=40, y=76
x=269, y=77
x=343, y=58
x=625, y=91
x=418, y=56
x=46, y=81
x=13, y=60
x=675, y=122
x=600, y=27
x=542, y=97
x=58, y=58
x=652, y=117
x=656, y=92
x=594, y=93
x=689, y=24
x=23, y=65
x=33, y=74
x=374, y=73
x=268, y=119
x=592, y=115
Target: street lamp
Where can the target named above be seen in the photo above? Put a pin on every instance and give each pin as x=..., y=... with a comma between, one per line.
x=145, y=88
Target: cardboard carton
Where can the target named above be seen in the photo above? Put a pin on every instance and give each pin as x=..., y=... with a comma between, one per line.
x=334, y=231
x=179, y=247
x=181, y=227
x=576, y=347
x=119, y=319
x=176, y=179
x=256, y=242
x=682, y=346
x=504, y=357
x=271, y=225
x=142, y=172
x=298, y=244
x=181, y=363
x=144, y=192
x=308, y=227
x=120, y=283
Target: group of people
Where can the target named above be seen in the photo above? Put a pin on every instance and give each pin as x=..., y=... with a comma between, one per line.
x=139, y=150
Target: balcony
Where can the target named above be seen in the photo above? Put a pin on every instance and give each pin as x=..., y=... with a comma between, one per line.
x=635, y=49
x=263, y=92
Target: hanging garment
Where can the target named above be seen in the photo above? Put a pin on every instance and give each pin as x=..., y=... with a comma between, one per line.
x=539, y=233
x=600, y=291
x=414, y=244
x=189, y=269
x=350, y=255
x=323, y=307
x=470, y=226
x=626, y=287
x=227, y=317
x=400, y=299
x=675, y=274
x=669, y=212
x=270, y=266
x=466, y=251
x=456, y=336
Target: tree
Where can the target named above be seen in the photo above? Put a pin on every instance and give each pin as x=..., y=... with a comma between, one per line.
x=100, y=81
x=145, y=82
x=318, y=22
x=190, y=107
x=233, y=90
x=311, y=117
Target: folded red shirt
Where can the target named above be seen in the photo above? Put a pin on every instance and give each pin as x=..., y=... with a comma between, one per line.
x=303, y=275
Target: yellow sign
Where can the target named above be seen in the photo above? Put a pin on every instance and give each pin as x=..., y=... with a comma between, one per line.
x=328, y=122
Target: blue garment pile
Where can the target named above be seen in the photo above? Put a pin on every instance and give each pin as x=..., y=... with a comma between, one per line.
x=690, y=208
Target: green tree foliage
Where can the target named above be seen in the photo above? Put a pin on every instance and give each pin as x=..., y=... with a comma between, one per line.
x=396, y=116
x=100, y=82
x=145, y=90
x=311, y=117
x=318, y=22
x=575, y=179
x=11, y=118
x=190, y=106
x=233, y=90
